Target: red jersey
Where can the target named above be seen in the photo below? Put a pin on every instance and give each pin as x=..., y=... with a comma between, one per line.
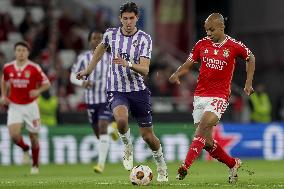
x=217, y=65
x=22, y=80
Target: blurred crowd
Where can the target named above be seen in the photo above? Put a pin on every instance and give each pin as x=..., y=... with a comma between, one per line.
x=57, y=34
x=60, y=35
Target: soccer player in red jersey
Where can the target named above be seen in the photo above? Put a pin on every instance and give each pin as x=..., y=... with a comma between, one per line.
x=217, y=53
x=22, y=82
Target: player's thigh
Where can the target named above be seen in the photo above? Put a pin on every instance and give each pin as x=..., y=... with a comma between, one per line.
x=32, y=117
x=118, y=103
x=15, y=129
x=140, y=107
x=208, y=120
x=115, y=99
x=217, y=106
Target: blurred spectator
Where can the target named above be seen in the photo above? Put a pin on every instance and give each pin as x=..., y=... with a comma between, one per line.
x=160, y=84
x=6, y=26
x=27, y=23
x=280, y=108
x=64, y=104
x=24, y=3
x=237, y=107
x=48, y=106
x=2, y=62
x=260, y=105
x=184, y=93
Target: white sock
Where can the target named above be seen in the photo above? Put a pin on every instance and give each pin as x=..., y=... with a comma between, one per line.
x=110, y=129
x=159, y=157
x=103, y=149
x=126, y=138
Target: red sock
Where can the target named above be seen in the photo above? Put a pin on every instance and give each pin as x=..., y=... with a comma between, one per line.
x=35, y=154
x=22, y=144
x=221, y=155
x=194, y=150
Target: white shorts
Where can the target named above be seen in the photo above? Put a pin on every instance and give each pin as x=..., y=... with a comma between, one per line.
x=27, y=114
x=208, y=104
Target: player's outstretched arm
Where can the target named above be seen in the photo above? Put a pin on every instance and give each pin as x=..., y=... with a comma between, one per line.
x=97, y=55
x=182, y=70
x=250, y=67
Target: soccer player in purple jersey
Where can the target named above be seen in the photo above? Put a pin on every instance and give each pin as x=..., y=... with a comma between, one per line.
x=131, y=52
x=99, y=114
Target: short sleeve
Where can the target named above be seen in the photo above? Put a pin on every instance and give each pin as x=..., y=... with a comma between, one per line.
x=146, y=48
x=79, y=65
x=106, y=37
x=5, y=74
x=194, y=55
x=242, y=51
x=40, y=75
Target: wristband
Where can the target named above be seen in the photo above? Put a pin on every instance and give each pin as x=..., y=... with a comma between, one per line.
x=130, y=65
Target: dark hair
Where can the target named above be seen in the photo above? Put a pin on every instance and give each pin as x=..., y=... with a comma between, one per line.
x=94, y=31
x=128, y=7
x=22, y=43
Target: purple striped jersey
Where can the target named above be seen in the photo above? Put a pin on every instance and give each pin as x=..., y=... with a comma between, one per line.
x=130, y=48
x=97, y=94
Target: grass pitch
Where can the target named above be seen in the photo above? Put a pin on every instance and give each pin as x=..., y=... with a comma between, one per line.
x=254, y=174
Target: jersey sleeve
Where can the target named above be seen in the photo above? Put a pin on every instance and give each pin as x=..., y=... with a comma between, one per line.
x=194, y=55
x=79, y=65
x=106, y=38
x=146, y=48
x=40, y=75
x=243, y=51
x=5, y=74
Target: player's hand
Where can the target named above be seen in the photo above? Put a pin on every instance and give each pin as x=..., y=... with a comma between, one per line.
x=34, y=93
x=4, y=100
x=174, y=79
x=83, y=74
x=87, y=84
x=120, y=61
x=248, y=90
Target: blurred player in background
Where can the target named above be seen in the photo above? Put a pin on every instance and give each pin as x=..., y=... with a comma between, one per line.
x=217, y=53
x=22, y=82
x=100, y=116
x=131, y=52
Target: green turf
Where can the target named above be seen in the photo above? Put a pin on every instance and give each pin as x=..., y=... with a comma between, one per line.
x=267, y=174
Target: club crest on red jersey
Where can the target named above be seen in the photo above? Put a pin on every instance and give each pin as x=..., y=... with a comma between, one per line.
x=226, y=53
x=216, y=52
x=27, y=74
